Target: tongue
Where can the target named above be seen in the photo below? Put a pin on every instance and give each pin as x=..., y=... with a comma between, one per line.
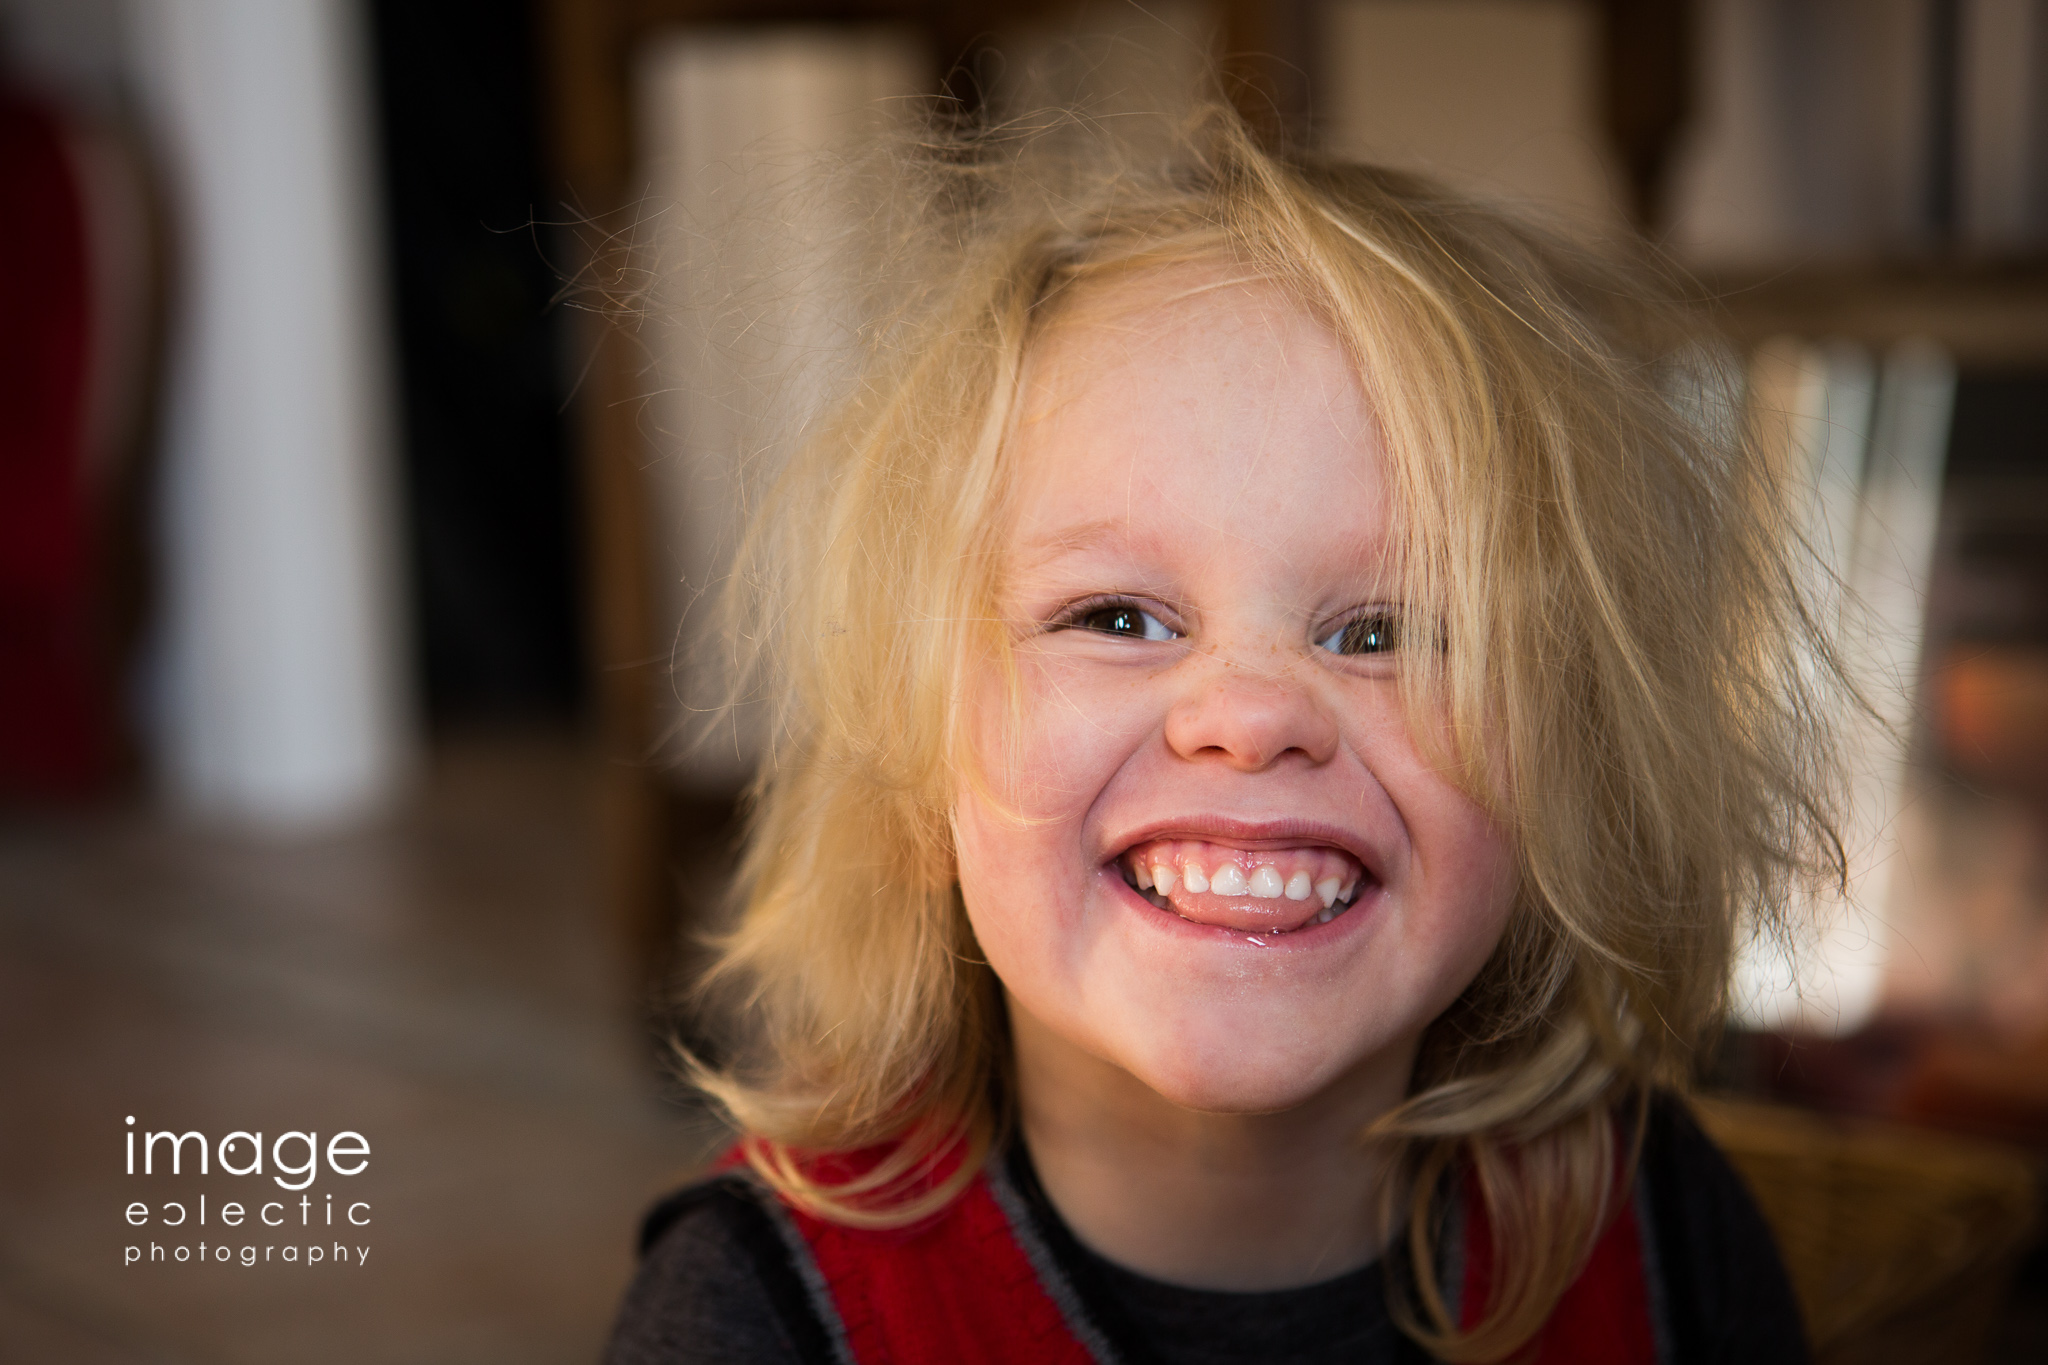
x=1245, y=913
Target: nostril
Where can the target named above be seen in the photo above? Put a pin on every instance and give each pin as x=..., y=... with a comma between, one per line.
x=1251, y=727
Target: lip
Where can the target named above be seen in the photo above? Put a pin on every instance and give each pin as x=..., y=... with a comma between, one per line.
x=1252, y=835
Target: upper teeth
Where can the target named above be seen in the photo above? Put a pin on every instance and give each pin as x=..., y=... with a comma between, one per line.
x=1197, y=868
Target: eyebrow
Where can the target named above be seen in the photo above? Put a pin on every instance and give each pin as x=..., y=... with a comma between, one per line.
x=1088, y=535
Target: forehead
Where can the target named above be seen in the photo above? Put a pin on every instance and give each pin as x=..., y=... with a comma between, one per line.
x=1198, y=398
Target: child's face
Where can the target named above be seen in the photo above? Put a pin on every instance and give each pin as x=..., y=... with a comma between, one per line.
x=1202, y=605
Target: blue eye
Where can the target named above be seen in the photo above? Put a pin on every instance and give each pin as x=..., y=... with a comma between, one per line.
x=1376, y=632
x=1123, y=618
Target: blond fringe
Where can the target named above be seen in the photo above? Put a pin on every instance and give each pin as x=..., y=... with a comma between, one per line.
x=1618, y=612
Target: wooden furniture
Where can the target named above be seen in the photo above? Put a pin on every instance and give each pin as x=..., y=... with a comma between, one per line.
x=1901, y=1244
x=1988, y=314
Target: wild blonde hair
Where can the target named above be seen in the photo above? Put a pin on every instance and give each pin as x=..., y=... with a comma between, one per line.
x=1623, y=659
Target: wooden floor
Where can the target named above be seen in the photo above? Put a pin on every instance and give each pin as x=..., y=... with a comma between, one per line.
x=440, y=985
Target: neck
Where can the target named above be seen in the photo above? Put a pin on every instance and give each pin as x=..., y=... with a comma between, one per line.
x=1210, y=1201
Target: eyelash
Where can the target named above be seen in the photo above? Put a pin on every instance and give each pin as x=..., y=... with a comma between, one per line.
x=1375, y=630
x=1071, y=616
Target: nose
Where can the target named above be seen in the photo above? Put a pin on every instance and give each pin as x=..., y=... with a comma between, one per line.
x=1250, y=720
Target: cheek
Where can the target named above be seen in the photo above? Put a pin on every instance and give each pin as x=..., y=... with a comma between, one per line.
x=1022, y=884
x=1021, y=832
x=1050, y=756
x=1017, y=828
x=1461, y=869
x=1457, y=841
x=1465, y=871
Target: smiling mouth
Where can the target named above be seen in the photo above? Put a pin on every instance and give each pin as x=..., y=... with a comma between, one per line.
x=1267, y=891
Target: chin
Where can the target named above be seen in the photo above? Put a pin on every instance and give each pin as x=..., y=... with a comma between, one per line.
x=1231, y=1075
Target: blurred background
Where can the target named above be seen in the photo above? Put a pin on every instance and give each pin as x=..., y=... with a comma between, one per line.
x=380, y=384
